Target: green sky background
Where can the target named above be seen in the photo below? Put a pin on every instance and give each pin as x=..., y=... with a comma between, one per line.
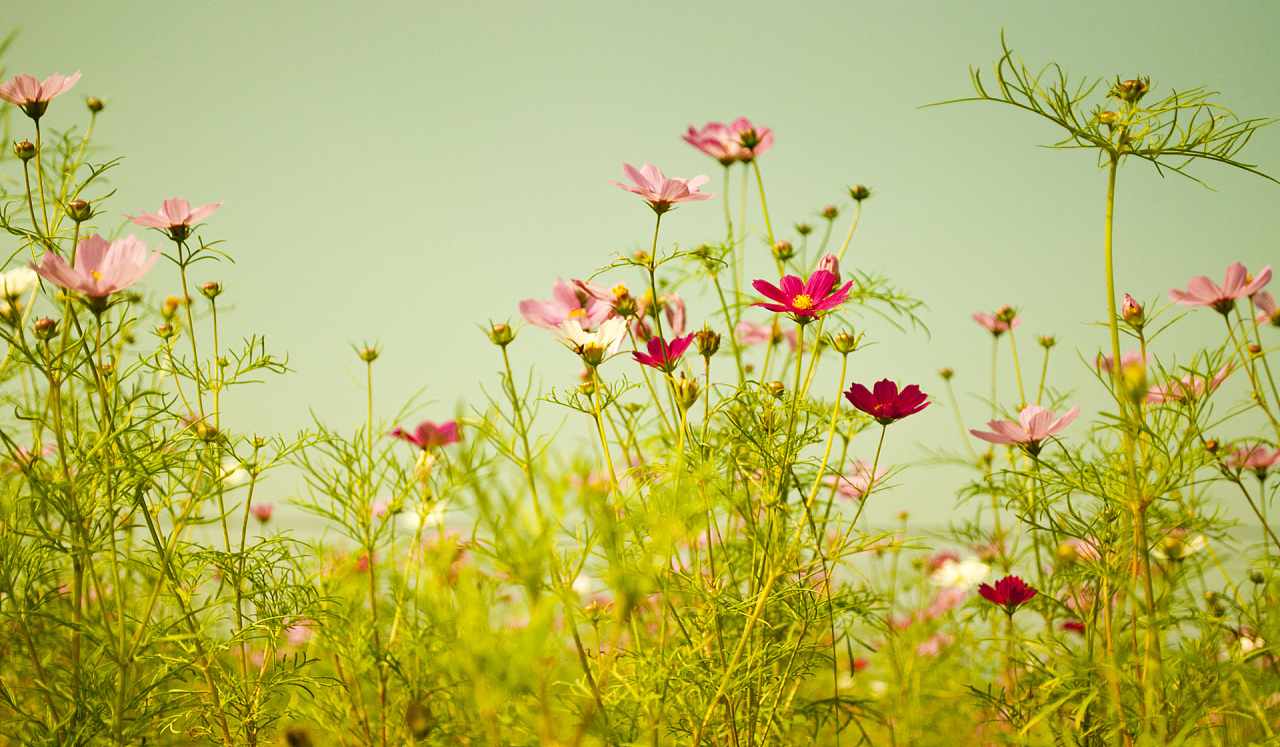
x=403, y=171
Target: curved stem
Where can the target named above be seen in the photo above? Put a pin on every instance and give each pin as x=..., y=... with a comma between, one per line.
x=857, y=212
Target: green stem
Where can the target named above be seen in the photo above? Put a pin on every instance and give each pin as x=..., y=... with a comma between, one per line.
x=857, y=212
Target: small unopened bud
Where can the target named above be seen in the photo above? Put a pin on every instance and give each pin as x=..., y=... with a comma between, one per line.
x=1110, y=515
x=165, y=331
x=686, y=391
x=1067, y=553
x=205, y=432
x=1131, y=91
x=258, y=442
x=46, y=328
x=501, y=334
x=831, y=264
x=1212, y=446
x=859, y=192
x=1005, y=314
x=1048, y=341
x=1257, y=577
x=830, y=212
x=211, y=290
x=587, y=387
x=776, y=388
x=417, y=720
x=946, y=373
x=1255, y=349
x=223, y=362
x=368, y=354
x=783, y=251
x=708, y=342
x=1108, y=118
x=1133, y=382
x=643, y=258
x=171, y=306
x=296, y=736
x=107, y=370
x=1132, y=311
x=903, y=516
x=79, y=211
x=844, y=342
x=95, y=104
x=804, y=229
x=25, y=150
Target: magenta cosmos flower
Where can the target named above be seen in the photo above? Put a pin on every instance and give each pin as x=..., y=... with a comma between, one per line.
x=1035, y=424
x=176, y=217
x=1009, y=592
x=804, y=301
x=724, y=142
x=1257, y=458
x=32, y=96
x=101, y=268
x=885, y=403
x=1237, y=284
x=429, y=435
x=567, y=302
x=662, y=192
x=664, y=355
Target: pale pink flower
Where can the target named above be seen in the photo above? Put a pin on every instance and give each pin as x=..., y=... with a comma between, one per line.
x=1131, y=358
x=856, y=482
x=948, y=598
x=933, y=645
x=567, y=302
x=262, y=512
x=1256, y=458
x=737, y=141
x=1190, y=386
x=1237, y=284
x=380, y=508
x=1035, y=424
x=769, y=332
x=994, y=325
x=662, y=192
x=1267, y=311
x=298, y=634
x=175, y=217
x=33, y=96
x=101, y=268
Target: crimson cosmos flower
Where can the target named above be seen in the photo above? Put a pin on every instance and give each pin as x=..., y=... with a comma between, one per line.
x=803, y=300
x=32, y=96
x=885, y=403
x=664, y=355
x=429, y=435
x=1202, y=291
x=1009, y=592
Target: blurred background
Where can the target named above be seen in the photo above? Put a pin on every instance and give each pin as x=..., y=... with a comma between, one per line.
x=407, y=172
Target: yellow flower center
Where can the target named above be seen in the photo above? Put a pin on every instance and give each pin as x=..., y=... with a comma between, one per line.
x=96, y=275
x=577, y=312
x=802, y=302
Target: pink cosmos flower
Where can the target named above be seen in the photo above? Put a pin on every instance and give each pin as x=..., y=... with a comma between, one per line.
x=567, y=302
x=1256, y=458
x=664, y=355
x=1190, y=386
x=662, y=192
x=948, y=598
x=101, y=268
x=804, y=301
x=380, y=508
x=1009, y=592
x=885, y=403
x=672, y=306
x=262, y=512
x=933, y=645
x=1131, y=358
x=1237, y=284
x=299, y=633
x=857, y=481
x=428, y=435
x=1035, y=424
x=830, y=263
x=995, y=325
x=759, y=334
x=729, y=143
x=1267, y=311
x=176, y=217
x=32, y=96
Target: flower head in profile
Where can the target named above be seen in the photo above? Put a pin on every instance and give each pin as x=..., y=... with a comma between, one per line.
x=568, y=302
x=33, y=96
x=885, y=403
x=1267, y=311
x=770, y=333
x=1002, y=321
x=17, y=281
x=175, y=217
x=662, y=192
x=1009, y=592
x=429, y=435
x=1191, y=386
x=1035, y=424
x=1257, y=458
x=857, y=482
x=727, y=143
x=1237, y=284
x=755, y=140
x=664, y=355
x=594, y=347
x=101, y=268
x=803, y=300
x=262, y=512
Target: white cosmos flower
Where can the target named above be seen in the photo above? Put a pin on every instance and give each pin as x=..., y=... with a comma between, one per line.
x=17, y=281
x=964, y=574
x=234, y=473
x=607, y=338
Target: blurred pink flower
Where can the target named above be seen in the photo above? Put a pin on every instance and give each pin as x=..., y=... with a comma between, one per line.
x=662, y=192
x=995, y=325
x=948, y=598
x=1131, y=358
x=769, y=332
x=262, y=512
x=1267, y=311
x=101, y=269
x=299, y=633
x=1237, y=284
x=1035, y=424
x=429, y=435
x=567, y=302
x=175, y=217
x=24, y=457
x=1190, y=386
x=856, y=482
x=933, y=645
x=803, y=300
x=33, y=96
x=729, y=143
x=1256, y=458
x=380, y=507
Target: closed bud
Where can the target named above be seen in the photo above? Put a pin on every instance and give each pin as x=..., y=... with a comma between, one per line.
x=368, y=354
x=1257, y=577
x=223, y=362
x=205, y=432
x=946, y=373
x=211, y=290
x=1255, y=349
x=708, y=342
x=95, y=104
x=1173, y=548
x=804, y=229
x=1067, y=553
x=845, y=342
x=25, y=150
x=643, y=258
x=1048, y=341
x=165, y=331
x=1212, y=446
x=776, y=388
x=107, y=370
x=686, y=391
x=903, y=516
x=46, y=328
x=171, y=306
x=830, y=212
x=501, y=334
x=79, y=211
x=587, y=387
x=1131, y=91
x=859, y=192
x=783, y=251
x=417, y=720
x=1005, y=314
x=258, y=442
x=1132, y=311
x=831, y=264
x=1108, y=118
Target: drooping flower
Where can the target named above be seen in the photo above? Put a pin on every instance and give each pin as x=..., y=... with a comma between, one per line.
x=594, y=347
x=429, y=435
x=101, y=268
x=885, y=403
x=1237, y=284
x=567, y=302
x=855, y=483
x=662, y=192
x=999, y=323
x=803, y=300
x=1190, y=386
x=962, y=574
x=33, y=96
x=1256, y=458
x=17, y=281
x=1035, y=424
x=1267, y=311
x=175, y=217
x=1009, y=592
x=664, y=355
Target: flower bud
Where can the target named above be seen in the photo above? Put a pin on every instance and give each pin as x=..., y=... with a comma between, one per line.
x=165, y=331
x=1067, y=553
x=501, y=334
x=1255, y=349
x=686, y=391
x=368, y=354
x=783, y=251
x=205, y=432
x=79, y=211
x=46, y=328
x=804, y=229
x=1108, y=118
x=107, y=370
x=1131, y=91
x=831, y=264
x=211, y=290
x=708, y=342
x=95, y=104
x=1048, y=341
x=845, y=342
x=1005, y=314
x=1133, y=382
x=830, y=212
x=25, y=150
x=776, y=388
x=417, y=720
x=859, y=192
x=903, y=516
x=1257, y=577
x=296, y=736
x=1132, y=312
x=946, y=373
x=1173, y=548
x=1211, y=446
x=171, y=306
x=223, y=362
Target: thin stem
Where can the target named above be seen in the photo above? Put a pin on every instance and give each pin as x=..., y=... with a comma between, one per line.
x=764, y=205
x=857, y=212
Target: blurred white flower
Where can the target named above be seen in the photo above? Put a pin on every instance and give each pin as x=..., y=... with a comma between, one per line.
x=17, y=281
x=234, y=473
x=963, y=574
